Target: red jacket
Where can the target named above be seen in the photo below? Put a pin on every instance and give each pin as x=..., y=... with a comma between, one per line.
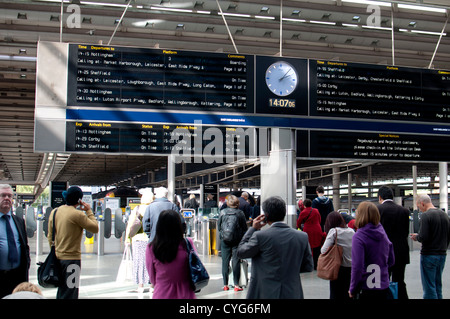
x=312, y=226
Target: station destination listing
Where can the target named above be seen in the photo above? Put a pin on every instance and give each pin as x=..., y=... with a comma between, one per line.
x=341, y=89
x=143, y=78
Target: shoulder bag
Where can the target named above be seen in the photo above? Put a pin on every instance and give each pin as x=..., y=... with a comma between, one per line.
x=198, y=272
x=49, y=272
x=136, y=225
x=329, y=263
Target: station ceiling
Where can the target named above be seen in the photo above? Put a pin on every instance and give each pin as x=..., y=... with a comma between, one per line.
x=340, y=30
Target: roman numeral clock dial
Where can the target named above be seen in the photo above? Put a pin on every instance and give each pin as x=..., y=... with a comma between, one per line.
x=281, y=78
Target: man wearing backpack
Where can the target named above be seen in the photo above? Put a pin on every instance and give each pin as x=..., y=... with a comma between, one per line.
x=232, y=227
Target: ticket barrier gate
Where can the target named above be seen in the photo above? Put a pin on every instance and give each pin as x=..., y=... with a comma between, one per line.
x=201, y=234
x=104, y=225
x=188, y=215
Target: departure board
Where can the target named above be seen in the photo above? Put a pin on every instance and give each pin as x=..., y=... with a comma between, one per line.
x=159, y=101
x=103, y=76
x=340, y=89
x=378, y=146
x=110, y=137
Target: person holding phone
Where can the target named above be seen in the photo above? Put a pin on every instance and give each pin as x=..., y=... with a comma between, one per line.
x=71, y=219
x=279, y=254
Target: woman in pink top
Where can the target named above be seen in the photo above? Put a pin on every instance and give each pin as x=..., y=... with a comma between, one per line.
x=167, y=260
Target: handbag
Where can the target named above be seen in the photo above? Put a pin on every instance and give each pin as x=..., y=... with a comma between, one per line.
x=136, y=225
x=199, y=274
x=329, y=263
x=125, y=272
x=49, y=272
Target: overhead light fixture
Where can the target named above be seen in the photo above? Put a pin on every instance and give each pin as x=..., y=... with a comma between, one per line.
x=322, y=22
x=241, y=15
x=264, y=9
x=423, y=32
x=265, y=17
x=22, y=16
x=102, y=4
x=323, y=38
x=239, y=32
x=17, y=58
x=412, y=24
x=171, y=9
x=267, y=34
x=54, y=18
x=295, y=36
x=356, y=18
x=295, y=13
x=198, y=5
x=326, y=16
x=22, y=51
x=87, y=20
x=180, y=26
x=232, y=7
x=294, y=20
x=368, y=2
x=376, y=28
x=209, y=30
x=421, y=8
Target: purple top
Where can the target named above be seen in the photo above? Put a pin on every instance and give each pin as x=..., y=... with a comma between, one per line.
x=170, y=280
x=372, y=255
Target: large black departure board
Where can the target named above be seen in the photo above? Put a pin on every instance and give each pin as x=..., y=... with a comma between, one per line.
x=340, y=89
x=135, y=100
x=157, y=79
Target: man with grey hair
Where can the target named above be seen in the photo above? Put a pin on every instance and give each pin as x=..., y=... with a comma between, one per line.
x=14, y=249
x=153, y=211
x=434, y=234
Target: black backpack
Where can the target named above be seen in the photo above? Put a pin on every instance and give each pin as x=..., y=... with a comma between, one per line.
x=231, y=234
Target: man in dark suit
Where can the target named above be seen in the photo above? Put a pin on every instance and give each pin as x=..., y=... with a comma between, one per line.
x=395, y=221
x=14, y=249
x=279, y=254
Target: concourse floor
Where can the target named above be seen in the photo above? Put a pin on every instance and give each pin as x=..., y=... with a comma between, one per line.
x=98, y=276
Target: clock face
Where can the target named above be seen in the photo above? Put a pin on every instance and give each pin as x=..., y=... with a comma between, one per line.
x=281, y=78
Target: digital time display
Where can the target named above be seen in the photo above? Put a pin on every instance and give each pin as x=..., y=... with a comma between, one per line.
x=284, y=103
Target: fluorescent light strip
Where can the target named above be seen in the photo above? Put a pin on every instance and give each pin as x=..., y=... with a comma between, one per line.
x=171, y=9
x=322, y=22
x=241, y=15
x=17, y=58
x=367, y=2
x=103, y=4
x=294, y=20
x=421, y=8
x=265, y=17
x=350, y=25
x=376, y=28
x=423, y=32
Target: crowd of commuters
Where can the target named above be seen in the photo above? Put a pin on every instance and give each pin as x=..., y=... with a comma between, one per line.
x=375, y=246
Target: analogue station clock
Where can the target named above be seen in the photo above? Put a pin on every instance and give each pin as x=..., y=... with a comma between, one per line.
x=281, y=78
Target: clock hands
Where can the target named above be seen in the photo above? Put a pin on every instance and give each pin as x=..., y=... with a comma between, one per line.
x=285, y=75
